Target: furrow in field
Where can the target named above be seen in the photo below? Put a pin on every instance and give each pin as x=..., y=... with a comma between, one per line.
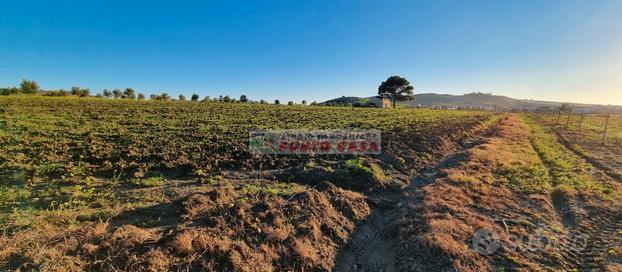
x=375, y=243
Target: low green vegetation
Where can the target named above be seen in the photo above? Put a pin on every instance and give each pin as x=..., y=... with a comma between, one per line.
x=115, y=139
x=533, y=177
x=506, y=158
x=568, y=172
x=70, y=162
x=153, y=181
x=69, y=154
x=80, y=196
x=590, y=125
x=277, y=189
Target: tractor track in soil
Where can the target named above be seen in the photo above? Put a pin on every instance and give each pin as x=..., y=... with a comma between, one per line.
x=599, y=229
x=599, y=226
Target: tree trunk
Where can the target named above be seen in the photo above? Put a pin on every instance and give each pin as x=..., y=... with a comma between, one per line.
x=394, y=101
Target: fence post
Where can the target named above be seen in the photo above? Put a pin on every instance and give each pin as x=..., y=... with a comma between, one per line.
x=559, y=114
x=581, y=122
x=568, y=121
x=606, y=127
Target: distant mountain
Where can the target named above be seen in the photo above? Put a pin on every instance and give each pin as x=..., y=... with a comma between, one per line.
x=480, y=100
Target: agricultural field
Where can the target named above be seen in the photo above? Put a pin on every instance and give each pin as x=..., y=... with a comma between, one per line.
x=311, y=136
x=107, y=185
x=80, y=177
x=585, y=135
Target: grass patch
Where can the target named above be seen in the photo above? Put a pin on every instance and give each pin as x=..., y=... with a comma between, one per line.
x=14, y=197
x=359, y=167
x=154, y=181
x=529, y=178
x=212, y=180
x=461, y=178
x=359, y=174
x=507, y=158
x=568, y=172
x=279, y=189
x=86, y=197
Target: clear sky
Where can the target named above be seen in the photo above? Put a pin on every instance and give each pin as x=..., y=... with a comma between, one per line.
x=315, y=50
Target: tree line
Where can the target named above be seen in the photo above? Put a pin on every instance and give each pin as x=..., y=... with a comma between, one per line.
x=31, y=87
x=395, y=88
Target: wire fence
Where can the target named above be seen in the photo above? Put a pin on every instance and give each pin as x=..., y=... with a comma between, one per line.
x=607, y=126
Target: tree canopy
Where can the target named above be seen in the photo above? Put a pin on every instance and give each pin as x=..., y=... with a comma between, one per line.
x=243, y=99
x=29, y=86
x=396, y=88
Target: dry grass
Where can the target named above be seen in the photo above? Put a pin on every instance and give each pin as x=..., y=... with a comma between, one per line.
x=472, y=195
x=130, y=236
x=182, y=243
x=305, y=249
x=506, y=158
x=224, y=228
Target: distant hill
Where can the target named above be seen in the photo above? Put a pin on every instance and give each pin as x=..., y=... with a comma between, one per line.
x=472, y=99
x=346, y=100
x=480, y=100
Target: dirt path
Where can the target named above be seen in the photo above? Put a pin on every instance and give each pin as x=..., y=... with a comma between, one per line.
x=372, y=246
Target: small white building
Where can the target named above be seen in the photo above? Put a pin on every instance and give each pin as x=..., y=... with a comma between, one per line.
x=381, y=102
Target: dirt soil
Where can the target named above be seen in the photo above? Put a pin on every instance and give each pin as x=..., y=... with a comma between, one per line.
x=472, y=194
x=286, y=220
x=374, y=244
x=430, y=226
x=413, y=213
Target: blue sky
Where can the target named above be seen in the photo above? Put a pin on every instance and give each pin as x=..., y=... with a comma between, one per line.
x=316, y=50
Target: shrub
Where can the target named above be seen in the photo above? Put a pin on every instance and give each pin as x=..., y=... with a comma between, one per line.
x=29, y=86
x=9, y=91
